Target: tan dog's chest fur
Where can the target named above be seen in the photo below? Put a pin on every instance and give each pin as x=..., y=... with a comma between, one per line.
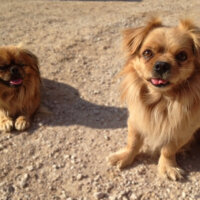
x=163, y=118
x=161, y=86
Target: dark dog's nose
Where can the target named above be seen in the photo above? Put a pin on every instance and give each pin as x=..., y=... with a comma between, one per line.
x=14, y=70
x=161, y=67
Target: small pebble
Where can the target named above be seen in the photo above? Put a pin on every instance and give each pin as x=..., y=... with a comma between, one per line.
x=23, y=181
x=100, y=195
x=79, y=177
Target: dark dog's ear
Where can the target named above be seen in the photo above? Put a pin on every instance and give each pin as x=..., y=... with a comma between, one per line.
x=30, y=58
x=194, y=33
x=132, y=38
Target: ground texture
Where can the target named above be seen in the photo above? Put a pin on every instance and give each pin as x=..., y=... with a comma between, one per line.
x=63, y=155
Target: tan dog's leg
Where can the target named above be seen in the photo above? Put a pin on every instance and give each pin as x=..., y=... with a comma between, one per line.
x=22, y=123
x=125, y=157
x=6, y=123
x=167, y=165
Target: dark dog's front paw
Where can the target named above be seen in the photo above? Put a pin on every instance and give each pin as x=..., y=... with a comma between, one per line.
x=22, y=123
x=6, y=124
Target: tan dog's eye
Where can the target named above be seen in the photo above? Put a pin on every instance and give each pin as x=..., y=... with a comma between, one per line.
x=181, y=56
x=147, y=53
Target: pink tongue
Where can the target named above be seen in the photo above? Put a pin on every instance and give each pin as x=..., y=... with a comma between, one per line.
x=158, y=81
x=16, y=82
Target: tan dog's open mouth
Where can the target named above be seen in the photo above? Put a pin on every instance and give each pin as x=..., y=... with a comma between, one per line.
x=159, y=82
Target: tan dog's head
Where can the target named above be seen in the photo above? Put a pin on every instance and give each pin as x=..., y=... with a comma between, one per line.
x=17, y=65
x=163, y=56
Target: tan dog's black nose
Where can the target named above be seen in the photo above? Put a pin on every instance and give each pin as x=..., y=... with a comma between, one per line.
x=161, y=67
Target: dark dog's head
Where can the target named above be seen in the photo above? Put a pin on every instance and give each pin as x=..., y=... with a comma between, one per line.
x=16, y=66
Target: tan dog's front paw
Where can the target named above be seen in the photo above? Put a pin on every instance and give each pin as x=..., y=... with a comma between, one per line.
x=171, y=172
x=22, y=123
x=122, y=158
x=6, y=124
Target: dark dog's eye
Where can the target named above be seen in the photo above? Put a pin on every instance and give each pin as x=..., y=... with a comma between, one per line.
x=147, y=53
x=3, y=68
x=21, y=65
x=181, y=56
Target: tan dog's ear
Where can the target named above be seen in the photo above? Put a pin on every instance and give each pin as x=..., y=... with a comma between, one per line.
x=132, y=38
x=193, y=31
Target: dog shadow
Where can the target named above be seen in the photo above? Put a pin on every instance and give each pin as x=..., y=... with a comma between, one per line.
x=190, y=158
x=68, y=108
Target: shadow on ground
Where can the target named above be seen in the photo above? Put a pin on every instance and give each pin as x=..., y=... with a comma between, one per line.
x=68, y=108
x=189, y=159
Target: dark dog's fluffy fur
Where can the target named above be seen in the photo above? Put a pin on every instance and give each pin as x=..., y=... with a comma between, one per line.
x=19, y=87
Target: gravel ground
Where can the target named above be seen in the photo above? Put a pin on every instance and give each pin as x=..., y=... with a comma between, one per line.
x=63, y=155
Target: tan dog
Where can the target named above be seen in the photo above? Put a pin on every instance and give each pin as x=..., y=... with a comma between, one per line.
x=19, y=87
x=161, y=87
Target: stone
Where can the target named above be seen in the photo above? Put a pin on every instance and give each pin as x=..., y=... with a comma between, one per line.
x=100, y=195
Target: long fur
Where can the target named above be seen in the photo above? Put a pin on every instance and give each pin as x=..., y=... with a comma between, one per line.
x=25, y=99
x=160, y=117
x=164, y=117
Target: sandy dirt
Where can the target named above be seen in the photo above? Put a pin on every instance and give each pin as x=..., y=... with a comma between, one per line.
x=63, y=155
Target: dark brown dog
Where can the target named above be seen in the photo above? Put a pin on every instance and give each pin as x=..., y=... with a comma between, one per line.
x=19, y=87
